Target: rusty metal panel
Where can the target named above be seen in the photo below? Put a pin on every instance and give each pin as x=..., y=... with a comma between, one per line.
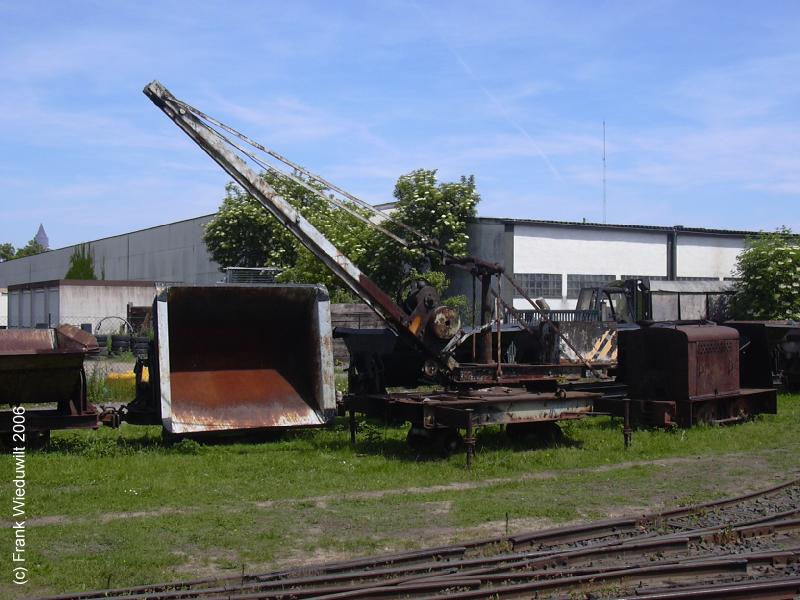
x=26, y=341
x=45, y=366
x=714, y=363
x=244, y=357
x=680, y=363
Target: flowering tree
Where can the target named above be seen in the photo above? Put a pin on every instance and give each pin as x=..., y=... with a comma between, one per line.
x=441, y=211
x=769, y=268
x=244, y=234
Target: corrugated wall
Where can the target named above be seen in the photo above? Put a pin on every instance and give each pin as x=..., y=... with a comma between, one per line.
x=170, y=253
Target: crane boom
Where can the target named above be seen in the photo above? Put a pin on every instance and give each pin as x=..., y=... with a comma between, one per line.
x=308, y=235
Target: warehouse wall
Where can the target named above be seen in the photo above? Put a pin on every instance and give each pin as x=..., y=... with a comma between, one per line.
x=168, y=253
x=53, y=303
x=576, y=254
x=707, y=256
x=550, y=259
x=492, y=242
x=3, y=307
x=89, y=304
x=33, y=306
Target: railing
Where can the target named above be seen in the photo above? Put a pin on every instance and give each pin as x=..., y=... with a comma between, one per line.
x=559, y=316
x=251, y=274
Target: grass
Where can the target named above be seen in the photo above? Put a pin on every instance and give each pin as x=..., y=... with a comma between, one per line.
x=119, y=507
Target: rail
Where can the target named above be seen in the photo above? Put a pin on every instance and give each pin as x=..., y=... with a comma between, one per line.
x=699, y=551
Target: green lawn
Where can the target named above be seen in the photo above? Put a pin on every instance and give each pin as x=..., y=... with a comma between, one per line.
x=118, y=507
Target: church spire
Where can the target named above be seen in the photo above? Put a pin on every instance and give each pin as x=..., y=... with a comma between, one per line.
x=41, y=238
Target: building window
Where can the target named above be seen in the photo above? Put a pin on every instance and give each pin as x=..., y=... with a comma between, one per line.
x=650, y=277
x=540, y=285
x=578, y=281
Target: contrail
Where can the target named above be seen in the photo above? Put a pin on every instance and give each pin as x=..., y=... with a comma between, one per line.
x=491, y=97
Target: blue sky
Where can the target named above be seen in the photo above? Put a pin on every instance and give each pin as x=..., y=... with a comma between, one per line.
x=701, y=102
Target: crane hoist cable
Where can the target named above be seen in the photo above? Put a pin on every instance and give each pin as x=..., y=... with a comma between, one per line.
x=425, y=240
x=317, y=192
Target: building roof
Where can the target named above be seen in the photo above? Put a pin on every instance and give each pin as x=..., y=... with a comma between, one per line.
x=587, y=225
x=116, y=235
x=388, y=206
x=35, y=285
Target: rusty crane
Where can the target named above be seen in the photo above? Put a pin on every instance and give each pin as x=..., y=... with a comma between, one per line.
x=424, y=341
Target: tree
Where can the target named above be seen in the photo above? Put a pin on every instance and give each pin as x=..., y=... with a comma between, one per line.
x=441, y=212
x=7, y=251
x=769, y=272
x=244, y=234
x=81, y=263
x=31, y=248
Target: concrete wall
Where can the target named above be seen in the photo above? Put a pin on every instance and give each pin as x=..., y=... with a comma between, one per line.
x=586, y=251
x=75, y=304
x=3, y=307
x=707, y=256
x=169, y=253
x=90, y=304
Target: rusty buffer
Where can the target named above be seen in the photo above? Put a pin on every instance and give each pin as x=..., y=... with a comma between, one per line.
x=233, y=358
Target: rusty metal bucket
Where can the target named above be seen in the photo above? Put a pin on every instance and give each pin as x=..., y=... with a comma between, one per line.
x=45, y=366
x=244, y=357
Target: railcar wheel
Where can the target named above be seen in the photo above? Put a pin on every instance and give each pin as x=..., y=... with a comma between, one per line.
x=705, y=413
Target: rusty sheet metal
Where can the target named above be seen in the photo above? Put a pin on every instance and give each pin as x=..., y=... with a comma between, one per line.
x=71, y=338
x=496, y=406
x=26, y=341
x=244, y=357
x=263, y=398
x=34, y=369
x=45, y=366
x=680, y=363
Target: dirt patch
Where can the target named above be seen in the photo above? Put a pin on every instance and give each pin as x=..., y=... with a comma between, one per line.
x=717, y=473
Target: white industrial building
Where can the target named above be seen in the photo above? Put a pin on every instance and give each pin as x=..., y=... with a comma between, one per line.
x=555, y=261
x=77, y=302
x=3, y=307
x=551, y=259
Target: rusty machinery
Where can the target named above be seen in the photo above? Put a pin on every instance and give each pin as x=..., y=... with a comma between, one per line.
x=44, y=367
x=490, y=373
x=424, y=341
x=236, y=358
x=686, y=374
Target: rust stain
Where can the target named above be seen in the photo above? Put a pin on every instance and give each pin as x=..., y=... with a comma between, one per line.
x=238, y=399
x=413, y=327
x=25, y=341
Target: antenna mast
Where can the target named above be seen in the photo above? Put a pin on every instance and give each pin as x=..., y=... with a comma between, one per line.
x=604, y=171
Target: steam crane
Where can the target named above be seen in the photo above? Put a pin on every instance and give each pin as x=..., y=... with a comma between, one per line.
x=424, y=342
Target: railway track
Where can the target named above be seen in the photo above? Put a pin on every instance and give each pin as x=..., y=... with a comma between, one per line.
x=743, y=547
